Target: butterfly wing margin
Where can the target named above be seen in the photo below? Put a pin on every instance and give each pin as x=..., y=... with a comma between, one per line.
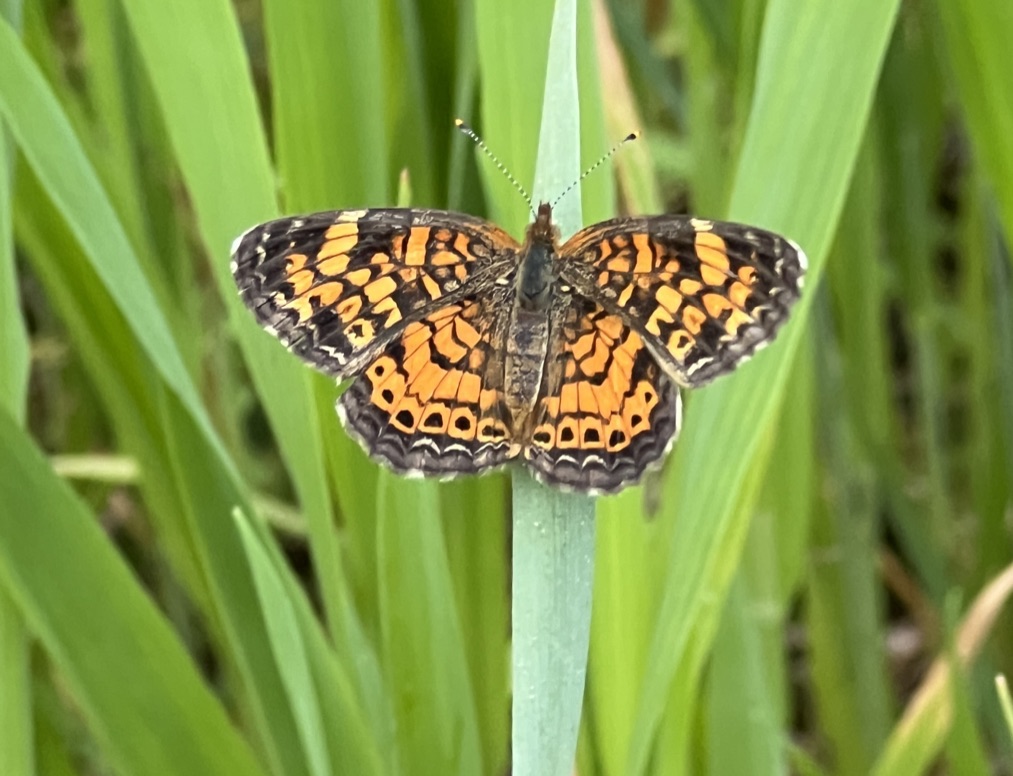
x=336, y=286
x=704, y=294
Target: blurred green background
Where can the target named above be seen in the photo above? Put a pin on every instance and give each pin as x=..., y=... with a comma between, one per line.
x=200, y=573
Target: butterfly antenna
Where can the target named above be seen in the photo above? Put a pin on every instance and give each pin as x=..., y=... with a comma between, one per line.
x=499, y=165
x=596, y=165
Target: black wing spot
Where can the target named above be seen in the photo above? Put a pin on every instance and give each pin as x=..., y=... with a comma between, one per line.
x=405, y=418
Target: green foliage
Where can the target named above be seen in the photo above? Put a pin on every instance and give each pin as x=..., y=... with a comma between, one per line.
x=835, y=516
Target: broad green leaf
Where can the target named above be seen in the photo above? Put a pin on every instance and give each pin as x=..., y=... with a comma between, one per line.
x=138, y=689
x=977, y=37
x=288, y=648
x=786, y=148
x=423, y=654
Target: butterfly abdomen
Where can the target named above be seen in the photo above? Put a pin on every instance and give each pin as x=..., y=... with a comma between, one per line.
x=525, y=358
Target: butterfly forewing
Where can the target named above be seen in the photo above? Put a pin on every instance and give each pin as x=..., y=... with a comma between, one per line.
x=703, y=294
x=337, y=286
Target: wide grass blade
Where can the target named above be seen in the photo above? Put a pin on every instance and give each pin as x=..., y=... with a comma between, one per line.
x=977, y=37
x=48, y=142
x=288, y=648
x=923, y=728
x=423, y=649
x=16, y=733
x=786, y=148
x=136, y=686
x=223, y=157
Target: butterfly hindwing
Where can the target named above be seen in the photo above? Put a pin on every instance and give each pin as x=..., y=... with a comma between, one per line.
x=606, y=411
x=433, y=402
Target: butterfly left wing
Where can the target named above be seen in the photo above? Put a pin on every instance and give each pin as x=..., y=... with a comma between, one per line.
x=335, y=287
x=704, y=295
x=605, y=412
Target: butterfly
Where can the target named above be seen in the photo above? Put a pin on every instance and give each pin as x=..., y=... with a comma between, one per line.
x=468, y=350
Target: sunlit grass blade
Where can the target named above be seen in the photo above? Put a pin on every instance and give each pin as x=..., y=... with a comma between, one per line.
x=16, y=733
x=345, y=166
x=725, y=423
x=136, y=686
x=329, y=127
x=977, y=39
x=48, y=142
x=14, y=363
x=423, y=653
x=288, y=649
x=922, y=730
x=1002, y=690
x=223, y=157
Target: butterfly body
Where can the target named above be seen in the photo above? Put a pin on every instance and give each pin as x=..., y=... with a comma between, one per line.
x=470, y=350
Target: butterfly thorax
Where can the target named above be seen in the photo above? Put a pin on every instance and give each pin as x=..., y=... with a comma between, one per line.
x=538, y=267
x=529, y=324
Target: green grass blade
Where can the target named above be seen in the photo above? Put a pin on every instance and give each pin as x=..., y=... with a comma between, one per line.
x=1005, y=702
x=223, y=156
x=16, y=734
x=424, y=655
x=136, y=686
x=48, y=142
x=553, y=551
x=553, y=569
x=725, y=423
x=476, y=527
x=977, y=37
x=741, y=692
x=13, y=338
x=346, y=165
x=330, y=136
x=919, y=736
x=289, y=650
x=512, y=40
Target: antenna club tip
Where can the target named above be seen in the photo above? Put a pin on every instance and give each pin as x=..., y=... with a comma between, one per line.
x=458, y=122
x=632, y=136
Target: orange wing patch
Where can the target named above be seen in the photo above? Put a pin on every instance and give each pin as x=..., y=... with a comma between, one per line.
x=704, y=294
x=335, y=287
x=433, y=401
x=605, y=411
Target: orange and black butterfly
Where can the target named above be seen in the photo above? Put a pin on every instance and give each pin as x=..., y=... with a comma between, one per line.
x=470, y=350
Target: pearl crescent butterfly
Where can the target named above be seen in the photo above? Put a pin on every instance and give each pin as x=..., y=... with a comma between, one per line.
x=468, y=350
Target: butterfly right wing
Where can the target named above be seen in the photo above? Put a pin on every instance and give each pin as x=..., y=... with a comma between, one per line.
x=704, y=295
x=336, y=287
